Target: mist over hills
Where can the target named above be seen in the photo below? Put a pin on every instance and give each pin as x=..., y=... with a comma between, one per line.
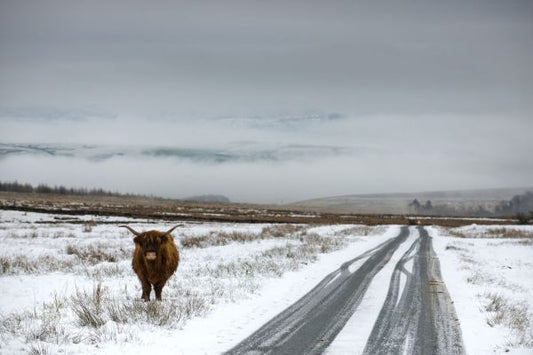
x=399, y=202
x=236, y=152
x=254, y=172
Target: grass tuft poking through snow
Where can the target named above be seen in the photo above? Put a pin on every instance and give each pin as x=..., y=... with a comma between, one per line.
x=491, y=232
x=89, y=307
x=512, y=314
x=94, y=254
x=217, y=238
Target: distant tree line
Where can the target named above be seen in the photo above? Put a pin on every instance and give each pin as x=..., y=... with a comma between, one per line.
x=520, y=206
x=61, y=190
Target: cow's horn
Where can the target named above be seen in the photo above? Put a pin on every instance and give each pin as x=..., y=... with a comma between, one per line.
x=171, y=229
x=131, y=230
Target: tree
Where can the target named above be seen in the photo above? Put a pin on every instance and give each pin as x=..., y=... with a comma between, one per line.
x=415, y=205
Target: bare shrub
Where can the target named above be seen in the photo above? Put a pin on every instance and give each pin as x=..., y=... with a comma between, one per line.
x=325, y=244
x=39, y=349
x=154, y=312
x=508, y=233
x=39, y=325
x=525, y=242
x=513, y=315
x=108, y=270
x=496, y=305
x=361, y=230
x=96, y=308
x=22, y=264
x=94, y=254
x=281, y=230
x=167, y=313
x=273, y=261
x=502, y=232
x=457, y=234
x=193, y=241
x=89, y=307
x=45, y=328
x=218, y=238
x=30, y=235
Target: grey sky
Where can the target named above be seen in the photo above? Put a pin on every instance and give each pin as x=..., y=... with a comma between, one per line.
x=445, y=85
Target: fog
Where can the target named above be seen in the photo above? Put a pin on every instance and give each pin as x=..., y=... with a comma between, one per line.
x=273, y=164
x=267, y=101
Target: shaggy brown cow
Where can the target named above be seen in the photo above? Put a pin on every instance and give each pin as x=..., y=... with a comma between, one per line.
x=155, y=259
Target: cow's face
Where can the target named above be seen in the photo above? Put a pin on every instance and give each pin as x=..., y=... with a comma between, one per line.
x=151, y=243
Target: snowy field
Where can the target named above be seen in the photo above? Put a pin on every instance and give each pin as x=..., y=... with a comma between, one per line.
x=68, y=287
x=489, y=274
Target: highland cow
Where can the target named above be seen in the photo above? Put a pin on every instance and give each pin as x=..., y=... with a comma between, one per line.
x=155, y=259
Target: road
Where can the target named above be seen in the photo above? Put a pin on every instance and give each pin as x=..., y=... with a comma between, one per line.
x=418, y=319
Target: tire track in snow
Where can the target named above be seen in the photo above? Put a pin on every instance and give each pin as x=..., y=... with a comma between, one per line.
x=422, y=320
x=311, y=324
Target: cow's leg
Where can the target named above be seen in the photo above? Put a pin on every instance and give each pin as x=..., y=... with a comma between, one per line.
x=158, y=287
x=147, y=288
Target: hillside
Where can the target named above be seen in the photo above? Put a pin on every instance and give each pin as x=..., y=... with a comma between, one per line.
x=399, y=202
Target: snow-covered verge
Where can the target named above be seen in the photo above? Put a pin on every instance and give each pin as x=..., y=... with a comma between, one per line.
x=67, y=285
x=493, y=231
x=488, y=271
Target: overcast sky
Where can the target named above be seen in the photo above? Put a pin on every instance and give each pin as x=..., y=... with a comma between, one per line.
x=309, y=98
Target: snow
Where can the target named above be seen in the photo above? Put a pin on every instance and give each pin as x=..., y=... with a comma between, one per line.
x=352, y=338
x=230, y=323
x=23, y=292
x=246, y=304
x=473, y=268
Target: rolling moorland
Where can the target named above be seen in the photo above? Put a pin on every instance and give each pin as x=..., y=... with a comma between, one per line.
x=168, y=209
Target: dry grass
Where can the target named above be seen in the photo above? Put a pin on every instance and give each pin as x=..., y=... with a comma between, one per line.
x=40, y=325
x=89, y=307
x=281, y=230
x=22, y=264
x=506, y=233
x=94, y=254
x=513, y=315
x=217, y=238
x=39, y=349
x=157, y=208
x=362, y=230
x=224, y=238
x=76, y=256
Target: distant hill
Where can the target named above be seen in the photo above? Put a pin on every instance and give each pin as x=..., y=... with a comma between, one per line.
x=208, y=198
x=399, y=202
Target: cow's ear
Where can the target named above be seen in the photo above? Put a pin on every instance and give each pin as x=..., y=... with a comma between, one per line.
x=165, y=238
x=137, y=240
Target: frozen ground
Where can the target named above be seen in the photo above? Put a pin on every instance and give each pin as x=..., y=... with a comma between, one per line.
x=68, y=287
x=232, y=279
x=489, y=274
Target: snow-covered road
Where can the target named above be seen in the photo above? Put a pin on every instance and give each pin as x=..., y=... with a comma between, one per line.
x=419, y=320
